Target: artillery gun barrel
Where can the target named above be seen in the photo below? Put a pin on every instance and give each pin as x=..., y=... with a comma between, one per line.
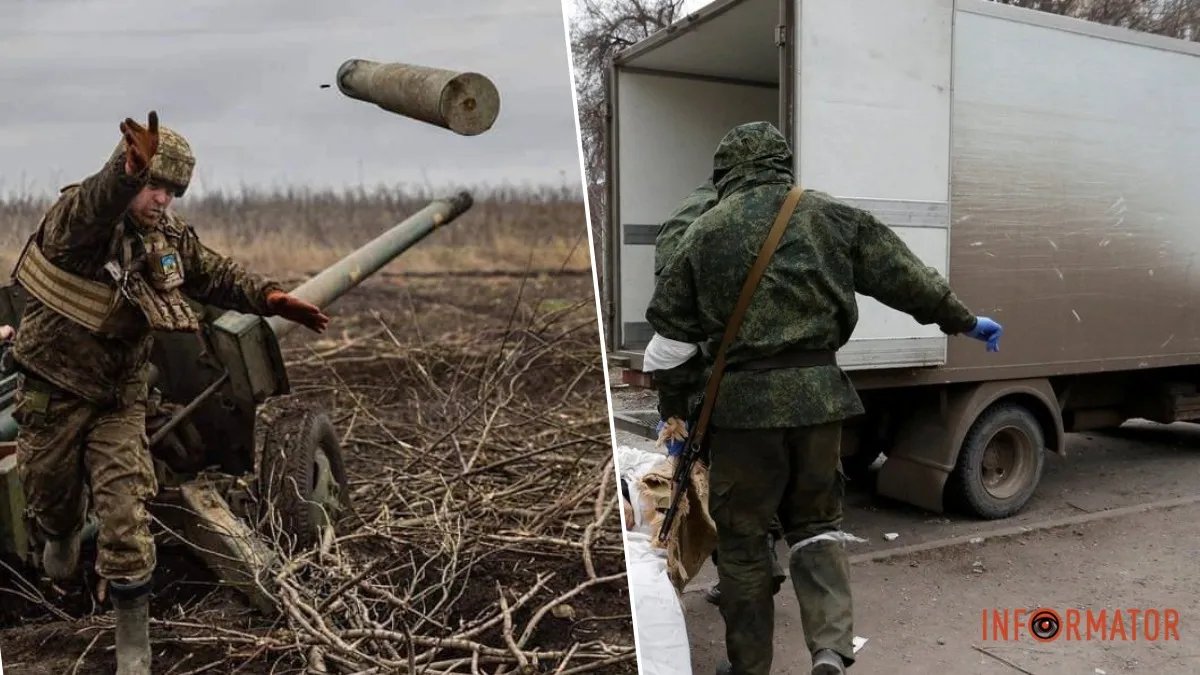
x=348, y=272
x=465, y=103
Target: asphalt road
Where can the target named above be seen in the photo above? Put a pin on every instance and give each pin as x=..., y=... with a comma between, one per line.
x=923, y=611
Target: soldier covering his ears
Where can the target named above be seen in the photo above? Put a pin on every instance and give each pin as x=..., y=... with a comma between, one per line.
x=109, y=265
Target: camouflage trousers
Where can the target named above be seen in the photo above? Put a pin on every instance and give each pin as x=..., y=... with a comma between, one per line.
x=794, y=474
x=66, y=445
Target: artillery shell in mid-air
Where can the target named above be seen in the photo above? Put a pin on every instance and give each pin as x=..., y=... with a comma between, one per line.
x=465, y=103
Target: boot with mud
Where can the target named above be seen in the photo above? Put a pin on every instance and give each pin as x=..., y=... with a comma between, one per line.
x=828, y=662
x=60, y=557
x=821, y=578
x=132, y=602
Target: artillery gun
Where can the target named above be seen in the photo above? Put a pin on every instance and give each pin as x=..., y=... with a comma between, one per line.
x=206, y=393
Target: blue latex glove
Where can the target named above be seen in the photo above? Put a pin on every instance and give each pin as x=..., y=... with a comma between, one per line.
x=674, y=447
x=988, y=331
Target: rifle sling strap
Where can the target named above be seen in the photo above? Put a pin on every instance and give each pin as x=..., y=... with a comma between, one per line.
x=696, y=436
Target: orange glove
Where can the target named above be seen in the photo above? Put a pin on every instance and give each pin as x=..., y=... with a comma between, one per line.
x=295, y=309
x=140, y=143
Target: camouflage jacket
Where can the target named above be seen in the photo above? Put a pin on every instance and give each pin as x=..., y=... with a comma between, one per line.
x=671, y=231
x=806, y=299
x=76, y=236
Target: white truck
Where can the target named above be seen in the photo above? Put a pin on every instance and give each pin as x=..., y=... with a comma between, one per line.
x=1048, y=166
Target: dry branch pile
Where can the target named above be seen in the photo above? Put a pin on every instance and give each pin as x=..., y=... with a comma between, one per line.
x=484, y=536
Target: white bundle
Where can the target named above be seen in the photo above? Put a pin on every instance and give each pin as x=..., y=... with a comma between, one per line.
x=661, y=630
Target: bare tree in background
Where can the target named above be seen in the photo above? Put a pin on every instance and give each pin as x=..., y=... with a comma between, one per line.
x=1173, y=18
x=600, y=29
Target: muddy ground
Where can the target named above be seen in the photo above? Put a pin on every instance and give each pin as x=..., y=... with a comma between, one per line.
x=406, y=358
x=922, y=612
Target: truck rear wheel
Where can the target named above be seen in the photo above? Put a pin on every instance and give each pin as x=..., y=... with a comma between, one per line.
x=1000, y=462
x=302, y=474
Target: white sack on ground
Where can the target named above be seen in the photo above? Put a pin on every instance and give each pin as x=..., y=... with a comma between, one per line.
x=661, y=628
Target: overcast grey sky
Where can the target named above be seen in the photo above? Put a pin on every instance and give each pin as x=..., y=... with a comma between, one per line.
x=241, y=81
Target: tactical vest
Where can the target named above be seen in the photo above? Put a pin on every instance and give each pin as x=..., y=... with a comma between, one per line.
x=148, y=281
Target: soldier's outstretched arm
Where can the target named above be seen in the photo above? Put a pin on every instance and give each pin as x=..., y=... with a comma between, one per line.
x=887, y=270
x=102, y=197
x=217, y=280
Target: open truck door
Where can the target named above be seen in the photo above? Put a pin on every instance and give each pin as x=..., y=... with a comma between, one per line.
x=865, y=126
x=672, y=98
x=671, y=106
x=869, y=107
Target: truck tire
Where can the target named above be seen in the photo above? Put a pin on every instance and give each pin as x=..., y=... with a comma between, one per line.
x=302, y=474
x=1000, y=462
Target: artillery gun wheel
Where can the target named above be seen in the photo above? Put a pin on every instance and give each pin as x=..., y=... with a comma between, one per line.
x=302, y=473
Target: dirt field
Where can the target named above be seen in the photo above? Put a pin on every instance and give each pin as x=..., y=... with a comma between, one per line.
x=472, y=413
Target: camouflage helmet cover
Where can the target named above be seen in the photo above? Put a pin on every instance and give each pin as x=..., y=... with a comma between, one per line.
x=172, y=163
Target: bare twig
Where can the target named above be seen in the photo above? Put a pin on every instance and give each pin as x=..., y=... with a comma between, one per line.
x=86, y=650
x=478, y=460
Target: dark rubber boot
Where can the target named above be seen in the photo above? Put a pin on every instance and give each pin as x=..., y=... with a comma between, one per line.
x=828, y=662
x=821, y=577
x=60, y=557
x=132, y=602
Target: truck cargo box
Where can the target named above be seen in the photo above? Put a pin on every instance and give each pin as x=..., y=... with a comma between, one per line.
x=1045, y=164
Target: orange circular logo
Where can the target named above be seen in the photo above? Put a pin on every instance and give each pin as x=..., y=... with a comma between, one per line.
x=1044, y=624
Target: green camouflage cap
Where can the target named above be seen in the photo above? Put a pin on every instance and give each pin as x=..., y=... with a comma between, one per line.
x=172, y=163
x=750, y=142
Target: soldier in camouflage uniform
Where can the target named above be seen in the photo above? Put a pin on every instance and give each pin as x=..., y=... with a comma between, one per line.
x=776, y=426
x=109, y=264
x=672, y=229
x=670, y=232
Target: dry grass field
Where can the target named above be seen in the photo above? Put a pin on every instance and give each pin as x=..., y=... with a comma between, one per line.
x=300, y=231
